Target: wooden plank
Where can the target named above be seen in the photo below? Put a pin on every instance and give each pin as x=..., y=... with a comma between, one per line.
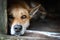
x=8, y=37
x=3, y=16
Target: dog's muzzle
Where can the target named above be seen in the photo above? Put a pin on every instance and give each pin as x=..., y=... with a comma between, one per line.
x=17, y=28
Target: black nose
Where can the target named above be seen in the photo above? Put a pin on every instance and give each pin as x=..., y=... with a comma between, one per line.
x=17, y=28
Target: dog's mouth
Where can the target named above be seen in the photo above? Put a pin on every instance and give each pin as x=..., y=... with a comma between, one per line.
x=17, y=33
x=17, y=30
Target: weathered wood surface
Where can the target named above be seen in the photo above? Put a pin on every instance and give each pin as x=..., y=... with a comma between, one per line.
x=3, y=16
x=8, y=37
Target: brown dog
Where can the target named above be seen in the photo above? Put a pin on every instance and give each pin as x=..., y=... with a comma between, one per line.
x=20, y=15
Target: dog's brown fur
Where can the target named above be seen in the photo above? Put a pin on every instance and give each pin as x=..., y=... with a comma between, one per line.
x=20, y=9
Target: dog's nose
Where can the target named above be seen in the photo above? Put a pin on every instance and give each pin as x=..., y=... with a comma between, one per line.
x=18, y=28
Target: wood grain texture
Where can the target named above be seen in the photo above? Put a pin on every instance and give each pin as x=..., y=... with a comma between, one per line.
x=3, y=16
x=8, y=37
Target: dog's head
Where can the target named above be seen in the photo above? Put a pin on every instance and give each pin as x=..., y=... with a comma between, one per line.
x=19, y=17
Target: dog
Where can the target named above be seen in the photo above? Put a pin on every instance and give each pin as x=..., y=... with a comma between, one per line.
x=19, y=15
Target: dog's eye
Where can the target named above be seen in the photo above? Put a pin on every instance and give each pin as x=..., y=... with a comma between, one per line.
x=23, y=17
x=10, y=16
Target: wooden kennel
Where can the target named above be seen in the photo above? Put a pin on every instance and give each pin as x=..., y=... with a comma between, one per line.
x=3, y=26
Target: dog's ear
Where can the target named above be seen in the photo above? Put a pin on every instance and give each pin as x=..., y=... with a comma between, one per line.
x=34, y=10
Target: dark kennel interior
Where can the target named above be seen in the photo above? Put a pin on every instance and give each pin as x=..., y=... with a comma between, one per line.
x=51, y=22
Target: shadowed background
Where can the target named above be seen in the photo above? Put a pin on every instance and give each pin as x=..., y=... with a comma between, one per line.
x=52, y=20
